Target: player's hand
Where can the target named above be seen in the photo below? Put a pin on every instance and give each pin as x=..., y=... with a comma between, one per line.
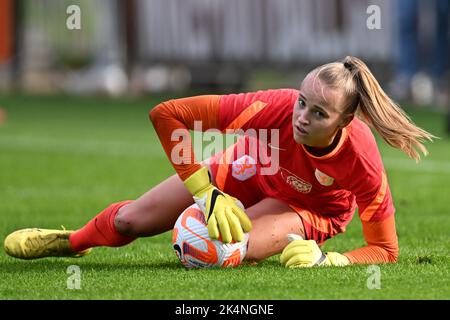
x=224, y=214
x=301, y=253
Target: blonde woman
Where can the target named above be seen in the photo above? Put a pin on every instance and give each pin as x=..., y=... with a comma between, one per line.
x=327, y=165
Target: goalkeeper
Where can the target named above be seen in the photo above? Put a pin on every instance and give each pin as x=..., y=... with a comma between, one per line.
x=326, y=164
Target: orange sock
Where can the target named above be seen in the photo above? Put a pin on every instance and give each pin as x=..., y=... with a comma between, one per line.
x=100, y=231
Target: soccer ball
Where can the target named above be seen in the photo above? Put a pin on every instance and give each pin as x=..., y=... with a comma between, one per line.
x=194, y=247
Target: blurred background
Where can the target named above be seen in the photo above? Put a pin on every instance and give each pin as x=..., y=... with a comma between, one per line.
x=138, y=47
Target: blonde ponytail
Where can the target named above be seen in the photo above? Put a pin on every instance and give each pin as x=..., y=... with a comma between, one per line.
x=383, y=114
x=365, y=97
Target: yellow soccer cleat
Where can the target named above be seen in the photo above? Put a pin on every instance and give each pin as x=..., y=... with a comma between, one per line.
x=37, y=243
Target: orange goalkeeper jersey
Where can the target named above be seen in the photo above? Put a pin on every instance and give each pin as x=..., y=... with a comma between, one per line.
x=350, y=176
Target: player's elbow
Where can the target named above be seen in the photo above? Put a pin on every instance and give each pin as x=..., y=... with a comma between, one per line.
x=393, y=256
x=155, y=113
x=160, y=112
x=392, y=253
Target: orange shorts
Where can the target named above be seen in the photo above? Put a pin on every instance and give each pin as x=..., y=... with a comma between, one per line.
x=317, y=227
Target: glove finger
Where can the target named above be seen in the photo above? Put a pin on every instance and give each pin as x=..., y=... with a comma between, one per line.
x=298, y=264
x=296, y=243
x=222, y=222
x=244, y=220
x=235, y=226
x=213, y=230
x=237, y=202
x=288, y=253
x=299, y=261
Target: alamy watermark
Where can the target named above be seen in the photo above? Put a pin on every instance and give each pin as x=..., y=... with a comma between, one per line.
x=373, y=21
x=261, y=145
x=73, y=21
x=374, y=280
x=74, y=280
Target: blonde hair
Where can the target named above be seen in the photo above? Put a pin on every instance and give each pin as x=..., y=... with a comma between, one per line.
x=365, y=97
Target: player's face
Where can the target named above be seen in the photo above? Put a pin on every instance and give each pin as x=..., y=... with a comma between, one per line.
x=317, y=114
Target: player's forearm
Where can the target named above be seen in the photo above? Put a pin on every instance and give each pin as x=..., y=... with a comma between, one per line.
x=172, y=120
x=166, y=124
x=381, y=237
x=372, y=255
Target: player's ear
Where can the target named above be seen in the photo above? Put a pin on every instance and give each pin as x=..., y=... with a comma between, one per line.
x=346, y=119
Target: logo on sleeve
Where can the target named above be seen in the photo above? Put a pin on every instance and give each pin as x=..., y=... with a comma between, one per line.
x=244, y=168
x=323, y=178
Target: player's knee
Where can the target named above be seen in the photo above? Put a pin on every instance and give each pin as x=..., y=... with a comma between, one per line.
x=255, y=254
x=125, y=221
x=137, y=221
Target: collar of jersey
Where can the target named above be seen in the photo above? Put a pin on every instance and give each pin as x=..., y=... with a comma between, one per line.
x=332, y=152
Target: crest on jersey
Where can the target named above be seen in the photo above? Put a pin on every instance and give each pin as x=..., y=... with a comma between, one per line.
x=244, y=168
x=295, y=182
x=323, y=178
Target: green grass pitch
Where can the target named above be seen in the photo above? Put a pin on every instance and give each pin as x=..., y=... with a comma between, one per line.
x=64, y=159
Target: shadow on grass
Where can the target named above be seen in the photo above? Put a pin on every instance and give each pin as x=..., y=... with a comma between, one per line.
x=55, y=264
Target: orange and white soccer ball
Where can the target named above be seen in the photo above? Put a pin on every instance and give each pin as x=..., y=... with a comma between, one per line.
x=194, y=247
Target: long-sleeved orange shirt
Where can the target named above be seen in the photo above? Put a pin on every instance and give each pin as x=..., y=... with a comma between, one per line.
x=354, y=171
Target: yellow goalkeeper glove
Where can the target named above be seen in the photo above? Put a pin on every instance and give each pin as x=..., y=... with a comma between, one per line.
x=301, y=253
x=224, y=214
